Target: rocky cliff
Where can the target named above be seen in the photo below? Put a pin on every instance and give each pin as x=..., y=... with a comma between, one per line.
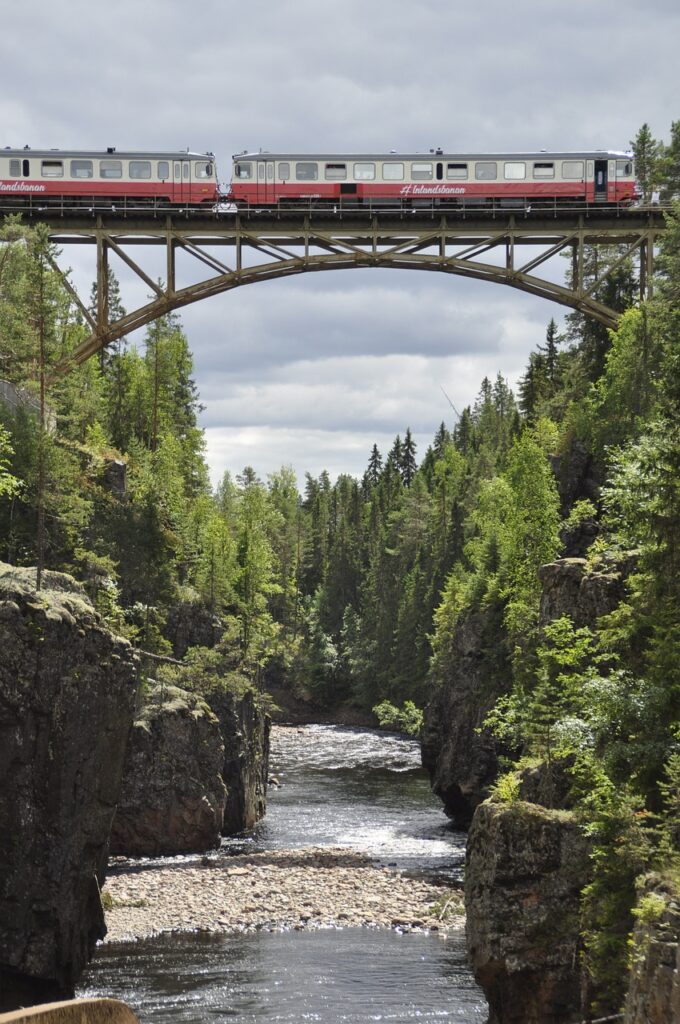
x=172, y=798
x=571, y=587
x=654, y=990
x=67, y=694
x=526, y=866
x=245, y=726
x=460, y=756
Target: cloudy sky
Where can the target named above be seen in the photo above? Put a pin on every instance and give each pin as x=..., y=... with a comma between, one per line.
x=311, y=370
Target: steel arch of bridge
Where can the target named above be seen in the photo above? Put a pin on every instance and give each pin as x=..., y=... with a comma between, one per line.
x=267, y=245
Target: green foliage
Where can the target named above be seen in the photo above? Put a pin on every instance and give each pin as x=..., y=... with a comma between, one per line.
x=408, y=718
x=506, y=788
x=650, y=908
x=10, y=485
x=619, y=828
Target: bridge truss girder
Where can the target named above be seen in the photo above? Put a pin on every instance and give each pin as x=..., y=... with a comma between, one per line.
x=267, y=247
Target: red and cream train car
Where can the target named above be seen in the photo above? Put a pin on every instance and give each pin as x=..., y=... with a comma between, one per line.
x=442, y=178
x=106, y=178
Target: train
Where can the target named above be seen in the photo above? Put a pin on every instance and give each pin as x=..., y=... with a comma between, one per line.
x=111, y=180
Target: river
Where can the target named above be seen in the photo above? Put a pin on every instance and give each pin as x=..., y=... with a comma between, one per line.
x=337, y=787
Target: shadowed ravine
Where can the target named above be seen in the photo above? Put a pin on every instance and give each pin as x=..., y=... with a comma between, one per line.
x=339, y=787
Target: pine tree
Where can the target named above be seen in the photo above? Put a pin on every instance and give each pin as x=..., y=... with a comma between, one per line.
x=408, y=465
x=648, y=153
x=533, y=386
x=550, y=356
x=671, y=166
x=374, y=468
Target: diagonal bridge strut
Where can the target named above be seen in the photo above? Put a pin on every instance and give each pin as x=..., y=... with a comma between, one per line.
x=510, y=249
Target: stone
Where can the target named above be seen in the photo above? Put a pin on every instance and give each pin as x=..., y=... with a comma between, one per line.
x=245, y=726
x=654, y=987
x=459, y=754
x=571, y=588
x=191, y=624
x=578, y=476
x=525, y=868
x=172, y=798
x=115, y=477
x=67, y=696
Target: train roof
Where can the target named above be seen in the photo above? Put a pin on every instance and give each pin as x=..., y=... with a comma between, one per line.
x=102, y=154
x=542, y=154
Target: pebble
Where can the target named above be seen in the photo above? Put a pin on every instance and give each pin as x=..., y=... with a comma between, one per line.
x=317, y=887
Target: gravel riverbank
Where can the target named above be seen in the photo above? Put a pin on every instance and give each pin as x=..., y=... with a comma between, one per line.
x=320, y=887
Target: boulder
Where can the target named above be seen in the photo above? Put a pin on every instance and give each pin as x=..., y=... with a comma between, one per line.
x=67, y=696
x=172, y=796
x=526, y=866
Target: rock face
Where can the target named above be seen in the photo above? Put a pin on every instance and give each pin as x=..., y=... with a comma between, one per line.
x=570, y=588
x=462, y=760
x=526, y=866
x=578, y=476
x=191, y=624
x=245, y=727
x=67, y=694
x=172, y=797
x=654, y=990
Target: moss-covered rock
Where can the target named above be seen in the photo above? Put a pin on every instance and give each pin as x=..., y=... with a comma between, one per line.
x=654, y=988
x=172, y=798
x=67, y=696
x=526, y=866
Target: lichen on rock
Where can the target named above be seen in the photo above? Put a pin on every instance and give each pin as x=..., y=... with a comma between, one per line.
x=526, y=866
x=172, y=797
x=67, y=696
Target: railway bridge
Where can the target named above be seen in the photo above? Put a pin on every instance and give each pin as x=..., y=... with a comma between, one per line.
x=235, y=248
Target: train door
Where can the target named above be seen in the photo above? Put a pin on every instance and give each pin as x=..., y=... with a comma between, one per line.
x=265, y=181
x=600, y=181
x=182, y=190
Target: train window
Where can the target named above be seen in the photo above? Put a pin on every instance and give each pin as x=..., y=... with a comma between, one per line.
x=284, y=170
x=203, y=169
x=243, y=170
x=185, y=170
x=110, y=169
x=456, y=170
x=572, y=169
x=15, y=168
x=306, y=171
x=486, y=170
x=270, y=170
x=163, y=170
x=337, y=172
x=364, y=171
x=26, y=168
x=52, y=169
x=140, y=168
x=393, y=171
x=421, y=172
x=624, y=168
x=544, y=170
x=81, y=169
x=260, y=172
x=515, y=170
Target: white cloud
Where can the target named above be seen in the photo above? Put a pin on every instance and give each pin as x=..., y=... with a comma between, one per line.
x=311, y=370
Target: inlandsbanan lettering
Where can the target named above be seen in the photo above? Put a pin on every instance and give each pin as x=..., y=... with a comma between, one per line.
x=20, y=186
x=433, y=190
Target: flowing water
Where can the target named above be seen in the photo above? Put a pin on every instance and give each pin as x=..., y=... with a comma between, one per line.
x=338, y=787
